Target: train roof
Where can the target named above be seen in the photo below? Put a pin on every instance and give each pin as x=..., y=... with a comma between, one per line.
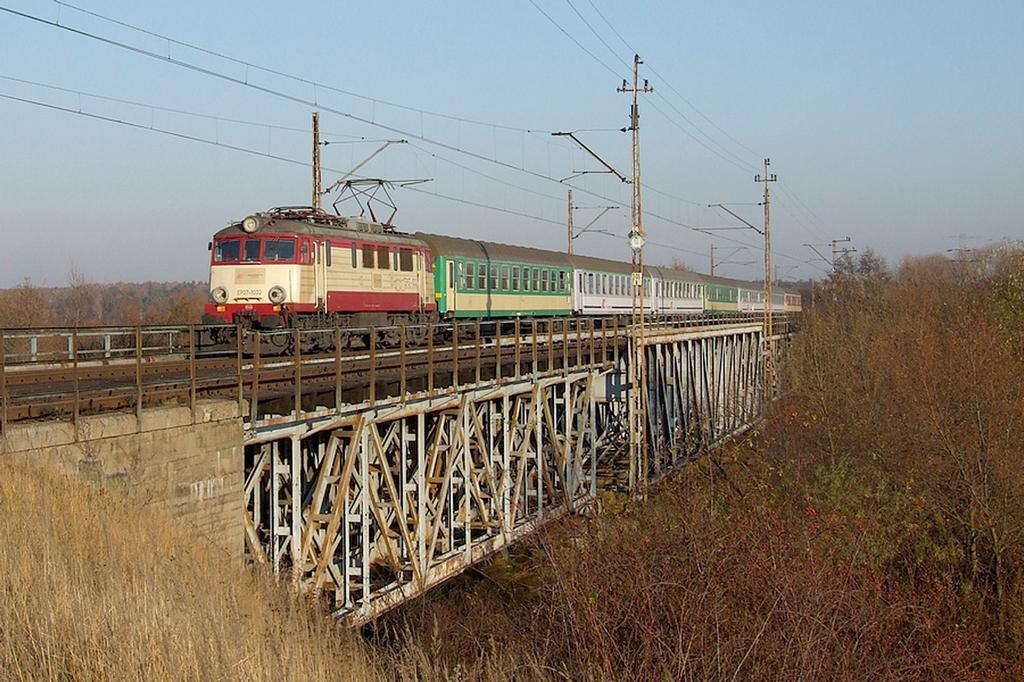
x=473, y=248
x=305, y=222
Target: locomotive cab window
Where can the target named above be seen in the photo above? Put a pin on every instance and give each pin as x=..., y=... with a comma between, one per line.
x=251, y=250
x=276, y=250
x=226, y=251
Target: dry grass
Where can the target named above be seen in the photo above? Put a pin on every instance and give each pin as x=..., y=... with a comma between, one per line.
x=97, y=588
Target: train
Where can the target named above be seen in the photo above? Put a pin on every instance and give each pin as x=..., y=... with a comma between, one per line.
x=294, y=267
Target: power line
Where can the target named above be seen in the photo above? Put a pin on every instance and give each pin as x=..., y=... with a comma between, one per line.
x=183, y=112
x=724, y=154
x=254, y=152
x=296, y=162
x=742, y=163
x=669, y=85
x=800, y=203
x=573, y=39
x=313, y=103
x=737, y=160
x=251, y=65
x=277, y=93
x=470, y=169
x=596, y=34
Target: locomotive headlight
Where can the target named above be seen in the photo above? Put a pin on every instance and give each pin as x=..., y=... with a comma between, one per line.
x=219, y=295
x=276, y=294
x=250, y=224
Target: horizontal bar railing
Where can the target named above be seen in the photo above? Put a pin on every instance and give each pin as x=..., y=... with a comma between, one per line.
x=318, y=368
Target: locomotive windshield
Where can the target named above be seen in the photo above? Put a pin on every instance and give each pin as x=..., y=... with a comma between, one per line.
x=226, y=251
x=252, y=250
x=279, y=250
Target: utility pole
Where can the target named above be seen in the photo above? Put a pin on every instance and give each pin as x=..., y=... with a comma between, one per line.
x=712, y=260
x=571, y=235
x=767, y=332
x=318, y=196
x=837, y=252
x=638, y=468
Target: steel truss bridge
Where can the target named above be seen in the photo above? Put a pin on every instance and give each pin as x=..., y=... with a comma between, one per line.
x=376, y=473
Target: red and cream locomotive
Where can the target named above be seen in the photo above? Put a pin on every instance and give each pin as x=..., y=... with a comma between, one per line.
x=285, y=268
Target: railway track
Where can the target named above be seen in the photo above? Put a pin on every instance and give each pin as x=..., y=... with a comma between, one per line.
x=68, y=373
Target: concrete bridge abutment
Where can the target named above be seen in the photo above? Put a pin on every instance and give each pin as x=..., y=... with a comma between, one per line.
x=191, y=469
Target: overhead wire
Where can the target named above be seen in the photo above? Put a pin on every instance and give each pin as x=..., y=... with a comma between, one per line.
x=254, y=152
x=183, y=112
x=316, y=84
x=739, y=164
x=277, y=157
x=733, y=159
x=669, y=85
x=573, y=39
x=267, y=90
x=294, y=98
x=737, y=160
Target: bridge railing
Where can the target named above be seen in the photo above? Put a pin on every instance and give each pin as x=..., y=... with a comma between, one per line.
x=66, y=372
x=331, y=368
x=66, y=344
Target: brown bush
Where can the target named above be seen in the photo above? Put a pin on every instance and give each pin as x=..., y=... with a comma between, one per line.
x=870, y=530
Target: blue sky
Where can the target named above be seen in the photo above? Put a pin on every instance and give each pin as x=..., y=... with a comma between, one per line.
x=898, y=124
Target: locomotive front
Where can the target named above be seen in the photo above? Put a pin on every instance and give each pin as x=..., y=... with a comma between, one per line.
x=255, y=275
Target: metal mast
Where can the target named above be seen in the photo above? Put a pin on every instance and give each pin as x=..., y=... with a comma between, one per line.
x=638, y=469
x=571, y=236
x=768, y=345
x=318, y=195
x=837, y=251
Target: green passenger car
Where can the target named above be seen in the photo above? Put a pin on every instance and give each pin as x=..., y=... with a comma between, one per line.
x=721, y=297
x=474, y=279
